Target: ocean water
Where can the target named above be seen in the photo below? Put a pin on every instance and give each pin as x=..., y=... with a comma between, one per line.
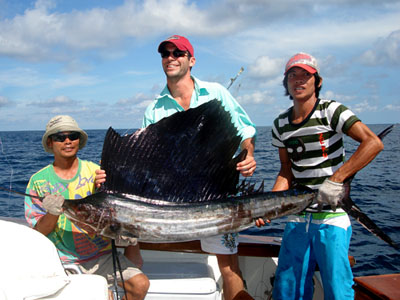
x=375, y=189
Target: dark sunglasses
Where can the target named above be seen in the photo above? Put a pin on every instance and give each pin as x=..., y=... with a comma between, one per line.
x=176, y=53
x=60, y=137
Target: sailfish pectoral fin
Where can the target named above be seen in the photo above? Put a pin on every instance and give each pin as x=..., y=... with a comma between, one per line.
x=353, y=210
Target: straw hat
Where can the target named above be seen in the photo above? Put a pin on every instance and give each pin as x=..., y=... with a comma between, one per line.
x=63, y=123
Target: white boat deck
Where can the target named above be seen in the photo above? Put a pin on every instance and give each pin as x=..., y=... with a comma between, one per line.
x=183, y=271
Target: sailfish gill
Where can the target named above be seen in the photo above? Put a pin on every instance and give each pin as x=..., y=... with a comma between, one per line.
x=176, y=180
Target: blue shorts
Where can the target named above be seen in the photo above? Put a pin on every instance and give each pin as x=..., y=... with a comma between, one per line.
x=306, y=243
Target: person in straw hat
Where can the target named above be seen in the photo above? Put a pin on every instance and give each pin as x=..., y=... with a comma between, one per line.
x=69, y=177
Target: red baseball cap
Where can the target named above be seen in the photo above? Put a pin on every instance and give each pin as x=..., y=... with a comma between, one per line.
x=304, y=61
x=180, y=42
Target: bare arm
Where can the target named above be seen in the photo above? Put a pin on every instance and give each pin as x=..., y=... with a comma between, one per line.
x=248, y=165
x=370, y=146
x=52, y=204
x=133, y=254
x=46, y=224
x=283, y=180
x=285, y=176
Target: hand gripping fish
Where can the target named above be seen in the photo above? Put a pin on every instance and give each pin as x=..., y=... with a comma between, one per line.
x=176, y=180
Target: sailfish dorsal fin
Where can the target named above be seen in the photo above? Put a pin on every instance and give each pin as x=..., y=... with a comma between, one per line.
x=186, y=157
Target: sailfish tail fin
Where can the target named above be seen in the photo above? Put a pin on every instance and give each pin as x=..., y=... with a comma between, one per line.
x=353, y=210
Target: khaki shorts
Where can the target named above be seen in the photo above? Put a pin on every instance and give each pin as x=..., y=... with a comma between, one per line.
x=221, y=244
x=104, y=266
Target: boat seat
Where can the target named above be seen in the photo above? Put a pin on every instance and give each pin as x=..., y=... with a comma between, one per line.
x=180, y=280
x=73, y=269
x=31, y=269
x=174, y=280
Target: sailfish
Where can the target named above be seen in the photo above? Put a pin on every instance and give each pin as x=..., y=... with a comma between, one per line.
x=176, y=180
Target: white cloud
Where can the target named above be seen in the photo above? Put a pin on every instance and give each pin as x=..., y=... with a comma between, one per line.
x=27, y=77
x=282, y=39
x=103, y=45
x=41, y=33
x=392, y=107
x=4, y=101
x=58, y=103
x=386, y=51
x=338, y=97
x=257, y=97
x=266, y=67
x=76, y=80
x=137, y=72
x=20, y=77
x=364, y=106
x=135, y=100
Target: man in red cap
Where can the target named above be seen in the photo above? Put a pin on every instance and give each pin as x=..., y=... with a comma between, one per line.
x=180, y=42
x=309, y=136
x=183, y=91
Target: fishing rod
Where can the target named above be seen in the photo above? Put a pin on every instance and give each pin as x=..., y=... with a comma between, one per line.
x=234, y=78
x=19, y=193
x=28, y=195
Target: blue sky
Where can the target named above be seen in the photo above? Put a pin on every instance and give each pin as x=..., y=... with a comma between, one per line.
x=97, y=60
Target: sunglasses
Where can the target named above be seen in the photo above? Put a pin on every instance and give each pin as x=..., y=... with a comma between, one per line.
x=176, y=53
x=60, y=137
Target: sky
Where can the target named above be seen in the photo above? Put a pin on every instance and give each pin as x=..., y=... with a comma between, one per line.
x=97, y=60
